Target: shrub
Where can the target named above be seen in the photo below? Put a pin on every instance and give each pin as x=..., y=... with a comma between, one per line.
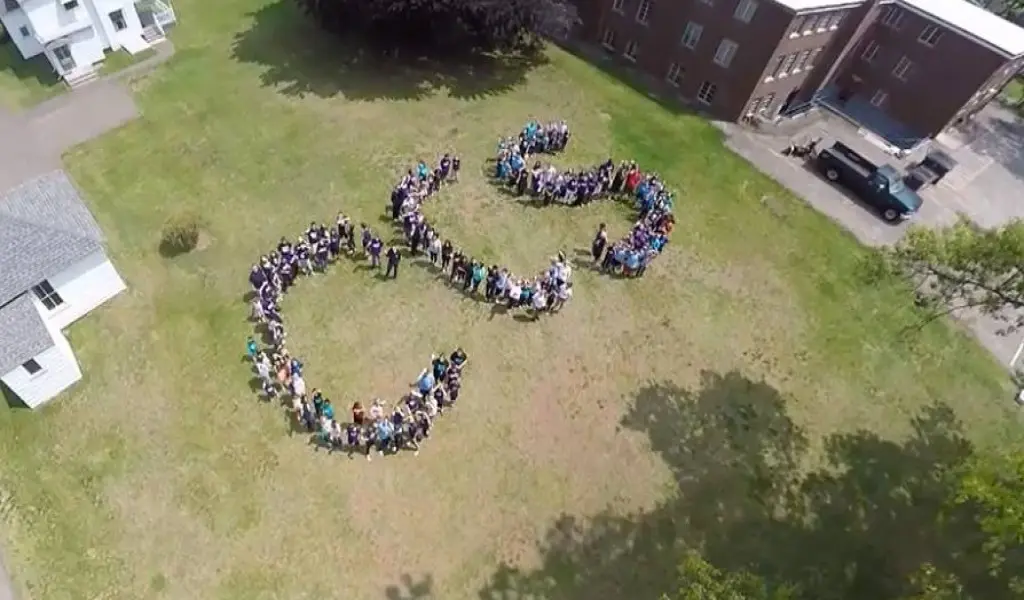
x=180, y=235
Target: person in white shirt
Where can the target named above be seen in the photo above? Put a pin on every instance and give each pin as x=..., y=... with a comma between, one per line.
x=298, y=386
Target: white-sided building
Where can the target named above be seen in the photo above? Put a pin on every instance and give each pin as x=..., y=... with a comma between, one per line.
x=53, y=271
x=75, y=35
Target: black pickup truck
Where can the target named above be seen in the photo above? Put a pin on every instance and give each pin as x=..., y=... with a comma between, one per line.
x=880, y=186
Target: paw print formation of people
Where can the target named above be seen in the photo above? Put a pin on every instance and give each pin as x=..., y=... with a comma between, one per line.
x=518, y=167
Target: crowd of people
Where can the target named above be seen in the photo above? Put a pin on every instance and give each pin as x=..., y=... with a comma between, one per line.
x=629, y=256
x=547, y=291
x=378, y=427
x=389, y=429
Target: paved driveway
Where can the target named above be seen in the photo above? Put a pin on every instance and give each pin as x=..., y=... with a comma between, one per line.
x=987, y=186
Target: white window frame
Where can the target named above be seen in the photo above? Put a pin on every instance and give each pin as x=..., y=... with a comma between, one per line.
x=691, y=35
x=675, y=73
x=707, y=92
x=122, y=23
x=745, y=10
x=870, y=51
x=725, y=52
x=812, y=58
x=787, y=66
x=930, y=35
x=902, y=69
x=796, y=28
x=629, y=53
x=47, y=295
x=643, y=12
x=811, y=23
x=619, y=6
x=893, y=18
x=801, y=61
x=608, y=39
x=837, y=18
x=878, y=98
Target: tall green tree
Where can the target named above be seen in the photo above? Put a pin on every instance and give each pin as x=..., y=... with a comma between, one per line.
x=442, y=26
x=965, y=267
x=699, y=580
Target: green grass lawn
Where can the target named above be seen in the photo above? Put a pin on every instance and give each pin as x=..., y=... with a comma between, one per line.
x=121, y=59
x=24, y=83
x=161, y=476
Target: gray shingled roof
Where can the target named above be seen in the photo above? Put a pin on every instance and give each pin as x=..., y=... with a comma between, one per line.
x=23, y=332
x=44, y=228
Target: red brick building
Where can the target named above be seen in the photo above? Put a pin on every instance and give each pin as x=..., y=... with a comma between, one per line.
x=905, y=68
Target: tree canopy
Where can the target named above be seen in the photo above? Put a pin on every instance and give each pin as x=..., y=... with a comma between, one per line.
x=442, y=26
x=965, y=267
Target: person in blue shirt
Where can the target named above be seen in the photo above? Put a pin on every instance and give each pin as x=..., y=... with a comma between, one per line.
x=426, y=382
x=252, y=349
x=295, y=367
x=385, y=433
x=327, y=409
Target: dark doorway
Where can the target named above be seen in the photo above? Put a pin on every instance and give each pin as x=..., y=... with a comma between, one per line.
x=789, y=100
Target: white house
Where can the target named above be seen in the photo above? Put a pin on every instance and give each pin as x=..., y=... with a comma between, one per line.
x=74, y=35
x=53, y=271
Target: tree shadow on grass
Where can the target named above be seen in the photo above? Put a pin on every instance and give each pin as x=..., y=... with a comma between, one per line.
x=856, y=528
x=300, y=59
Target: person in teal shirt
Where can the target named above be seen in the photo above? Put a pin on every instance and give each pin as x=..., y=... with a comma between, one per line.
x=252, y=349
x=327, y=409
x=478, y=275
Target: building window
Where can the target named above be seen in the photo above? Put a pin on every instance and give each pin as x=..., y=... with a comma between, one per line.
x=117, y=18
x=643, y=11
x=608, y=39
x=797, y=26
x=11, y=4
x=745, y=10
x=630, y=52
x=837, y=19
x=24, y=31
x=893, y=18
x=879, y=98
x=725, y=52
x=706, y=93
x=902, y=69
x=812, y=58
x=617, y=6
x=31, y=366
x=870, y=51
x=787, y=65
x=801, y=60
x=810, y=23
x=755, y=106
x=691, y=35
x=708, y=2
x=675, y=73
x=930, y=35
x=47, y=295
x=69, y=4
x=766, y=106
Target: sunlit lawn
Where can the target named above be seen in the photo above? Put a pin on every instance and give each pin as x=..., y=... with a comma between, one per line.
x=162, y=476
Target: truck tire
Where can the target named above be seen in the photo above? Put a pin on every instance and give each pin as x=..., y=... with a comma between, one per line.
x=832, y=174
x=890, y=215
